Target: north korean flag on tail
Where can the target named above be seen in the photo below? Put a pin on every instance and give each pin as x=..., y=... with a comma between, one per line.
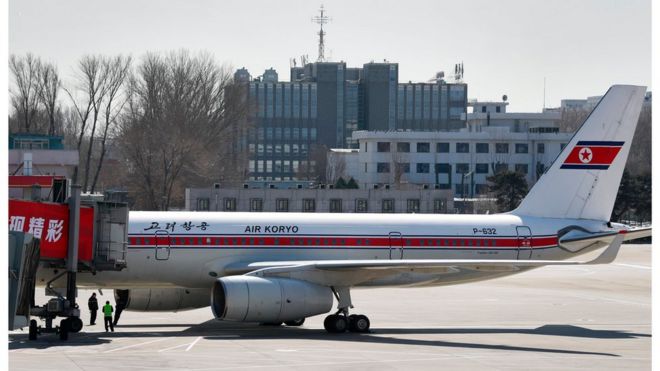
x=592, y=155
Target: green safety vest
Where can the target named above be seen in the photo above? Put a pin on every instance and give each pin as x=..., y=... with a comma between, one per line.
x=107, y=310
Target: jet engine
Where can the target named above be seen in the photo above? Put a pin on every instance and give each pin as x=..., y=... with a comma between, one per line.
x=268, y=300
x=163, y=300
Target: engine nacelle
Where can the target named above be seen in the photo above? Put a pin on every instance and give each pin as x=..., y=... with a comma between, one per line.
x=257, y=299
x=163, y=300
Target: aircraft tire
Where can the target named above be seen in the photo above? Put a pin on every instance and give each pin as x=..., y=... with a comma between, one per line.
x=335, y=324
x=358, y=323
x=64, y=329
x=32, y=335
x=75, y=324
x=295, y=322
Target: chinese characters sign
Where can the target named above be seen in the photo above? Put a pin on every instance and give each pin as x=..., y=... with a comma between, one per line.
x=50, y=223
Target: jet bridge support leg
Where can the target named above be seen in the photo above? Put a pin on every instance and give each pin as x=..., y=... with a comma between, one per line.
x=342, y=321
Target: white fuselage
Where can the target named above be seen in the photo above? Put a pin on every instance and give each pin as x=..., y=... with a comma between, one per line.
x=192, y=249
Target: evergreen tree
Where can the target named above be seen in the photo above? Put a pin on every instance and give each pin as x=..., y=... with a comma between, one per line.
x=509, y=188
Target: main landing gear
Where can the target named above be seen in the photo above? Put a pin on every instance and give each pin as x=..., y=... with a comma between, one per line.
x=342, y=321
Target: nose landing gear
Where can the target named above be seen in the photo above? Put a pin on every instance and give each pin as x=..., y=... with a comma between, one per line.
x=341, y=321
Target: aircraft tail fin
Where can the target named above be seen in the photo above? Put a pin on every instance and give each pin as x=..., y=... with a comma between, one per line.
x=584, y=179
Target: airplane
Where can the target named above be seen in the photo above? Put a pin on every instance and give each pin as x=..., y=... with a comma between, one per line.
x=275, y=268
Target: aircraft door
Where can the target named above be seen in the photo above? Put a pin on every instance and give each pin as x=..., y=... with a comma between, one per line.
x=396, y=246
x=524, y=242
x=162, y=245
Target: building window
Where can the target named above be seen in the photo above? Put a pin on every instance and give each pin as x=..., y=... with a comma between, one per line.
x=413, y=205
x=483, y=109
x=382, y=167
x=462, y=147
x=482, y=148
x=522, y=148
x=388, y=205
x=335, y=205
x=422, y=168
x=309, y=205
x=202, y=204
x=439, y=205
x=500, y=167
x=442, y=147
x=403, y=147
x=361, y=205
x=423, y=147
x=230, y=204
x=282, y=204
x=383, y=147
x=540, y=147
x=501, y=147
x=497, y=109
x=522, y=168
x=462, y=168
x=256, y=204
x=481, y=168
x=442, y=168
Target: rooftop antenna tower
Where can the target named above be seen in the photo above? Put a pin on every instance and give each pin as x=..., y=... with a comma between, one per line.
x=321, y=20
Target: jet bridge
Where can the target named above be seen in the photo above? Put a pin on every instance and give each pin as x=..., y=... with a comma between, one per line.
x=76, y=236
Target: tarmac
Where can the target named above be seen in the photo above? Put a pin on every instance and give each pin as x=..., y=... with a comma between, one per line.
x=580, y=317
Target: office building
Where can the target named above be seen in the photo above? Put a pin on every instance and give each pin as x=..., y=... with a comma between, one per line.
x=493, y=140
x=325, y=102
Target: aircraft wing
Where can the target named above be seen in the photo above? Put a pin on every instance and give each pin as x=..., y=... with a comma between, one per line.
x=353, y=272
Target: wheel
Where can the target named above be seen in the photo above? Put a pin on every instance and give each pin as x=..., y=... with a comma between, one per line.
x=295, y=322
x=33, y=330
x=335, y=323
x=75, y=324
x=64, y=329
x=358, y=323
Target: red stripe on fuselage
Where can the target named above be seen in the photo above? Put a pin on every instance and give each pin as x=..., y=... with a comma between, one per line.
x=338, y=241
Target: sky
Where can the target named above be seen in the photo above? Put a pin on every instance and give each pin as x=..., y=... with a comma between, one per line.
x=580, y=47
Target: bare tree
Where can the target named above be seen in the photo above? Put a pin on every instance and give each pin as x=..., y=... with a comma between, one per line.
x=315, y=168
x=335, y=167
x=178, y=113
x=572, y=119
x=639, y=160
x=48, y=87
x=117, y=70
x=25, y=95
x=399, y=167
x=98, y=99
x=89, y=86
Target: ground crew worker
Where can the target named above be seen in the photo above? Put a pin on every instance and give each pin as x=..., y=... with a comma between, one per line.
x=93, y=306
x=107, y=316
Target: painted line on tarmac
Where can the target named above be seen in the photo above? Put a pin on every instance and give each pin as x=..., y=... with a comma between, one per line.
x=174, y=347
x=633, y=266
x=134, y=345
x=193, y=343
